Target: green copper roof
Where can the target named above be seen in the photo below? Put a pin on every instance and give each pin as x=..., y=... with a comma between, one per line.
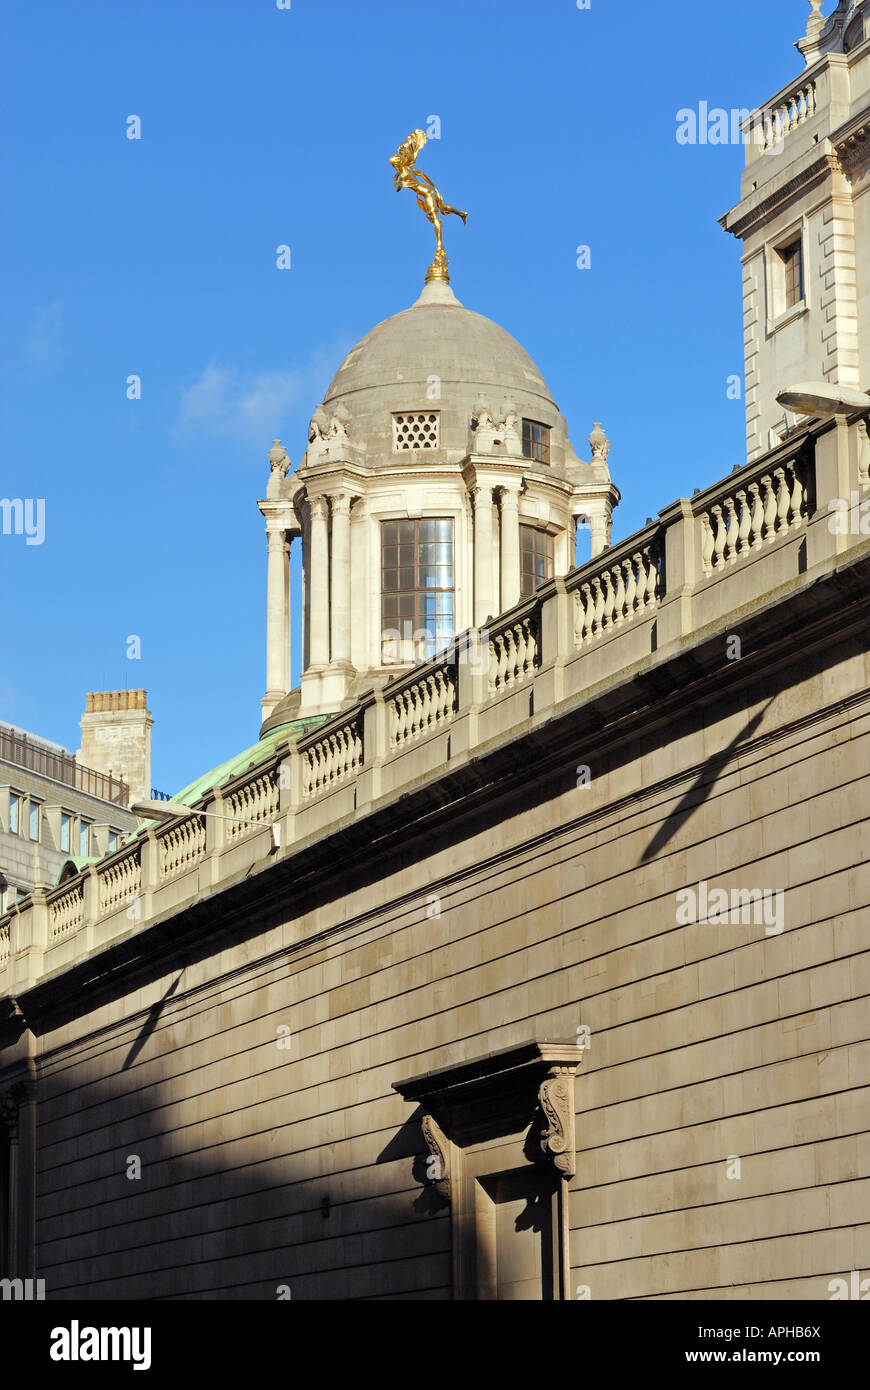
x=259, y=752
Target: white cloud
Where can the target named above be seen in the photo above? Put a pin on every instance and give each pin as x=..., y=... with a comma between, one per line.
x=42, y=341
x=253, y=406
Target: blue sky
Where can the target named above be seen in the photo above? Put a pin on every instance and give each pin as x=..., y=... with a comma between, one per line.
x=263, y=126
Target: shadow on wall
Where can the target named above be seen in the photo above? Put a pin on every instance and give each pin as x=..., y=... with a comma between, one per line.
x=152, y=1187
x=701, y=788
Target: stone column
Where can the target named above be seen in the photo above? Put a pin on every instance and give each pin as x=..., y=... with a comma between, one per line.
x=319, y=639
x=483, y=599
x=599, y=531
x=276, y=615
x=288, y=652
x=510, y=547
x=341, y=578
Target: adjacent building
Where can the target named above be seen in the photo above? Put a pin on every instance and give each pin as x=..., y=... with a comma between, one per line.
x=60, y=808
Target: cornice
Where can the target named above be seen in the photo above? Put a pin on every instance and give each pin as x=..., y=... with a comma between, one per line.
x=741, y=223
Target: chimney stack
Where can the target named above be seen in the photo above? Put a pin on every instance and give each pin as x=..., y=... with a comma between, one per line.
x=116, y=738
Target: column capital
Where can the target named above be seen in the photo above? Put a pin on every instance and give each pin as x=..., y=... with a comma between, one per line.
x=341, y=503
x=481, y=493
x=319, y=507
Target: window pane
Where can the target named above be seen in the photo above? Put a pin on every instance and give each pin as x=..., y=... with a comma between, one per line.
x=34, y=821
x=84, y=838
x=64, y=833
x=113, y=841
x=536, y=559
x=420, y=577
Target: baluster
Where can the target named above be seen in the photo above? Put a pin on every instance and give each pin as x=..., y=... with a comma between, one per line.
x=579, y=615
x=732, y=530
x=756, y=512
x=405, y=717
x=492, y=666
x=531, y=646
x=745, y=527
x=618, y=596
x=519, y=640
x=599, y=605
x=630, y=567
x=653, y=578
x=607, y=621
x=719, y=534
x=707, y=543
x=410, y=710
x=589, y=613
x=797, y=499
x=782, y=501
x=769, y=507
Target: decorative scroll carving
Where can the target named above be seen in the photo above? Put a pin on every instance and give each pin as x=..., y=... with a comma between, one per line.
x=556, y=1096
x=437, y=1165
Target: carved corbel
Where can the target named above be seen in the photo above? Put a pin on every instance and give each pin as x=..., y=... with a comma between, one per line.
x=438, y=1164
x=556, y=1097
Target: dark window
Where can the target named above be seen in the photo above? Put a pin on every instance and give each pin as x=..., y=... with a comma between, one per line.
x=536, y=559
x=416, y=589
x=793, y=273
x=536, y=441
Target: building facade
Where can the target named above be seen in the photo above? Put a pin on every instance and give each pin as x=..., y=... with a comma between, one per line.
x=536, y=969
x=804, y=221
x=58, y=807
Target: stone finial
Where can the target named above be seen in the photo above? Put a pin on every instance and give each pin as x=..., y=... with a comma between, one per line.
x=809, y=45
x=278, y=459
x=599, y=444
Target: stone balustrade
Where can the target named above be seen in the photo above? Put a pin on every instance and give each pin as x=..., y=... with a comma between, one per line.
x=181, y=846
x=331, y=756
x=628, y=582
x=785, y=114
x=514, y=649
x=700, y=567
x=422, y=703
x=764, y=508
x=119, y=880
x=66, y=910
x=253, y=804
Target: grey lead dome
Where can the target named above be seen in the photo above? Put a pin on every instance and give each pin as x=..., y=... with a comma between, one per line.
x=440, y=356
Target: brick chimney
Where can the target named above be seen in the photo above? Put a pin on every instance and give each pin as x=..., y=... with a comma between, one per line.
x=116, y=738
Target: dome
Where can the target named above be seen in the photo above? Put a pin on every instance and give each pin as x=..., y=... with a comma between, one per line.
x=438, y=356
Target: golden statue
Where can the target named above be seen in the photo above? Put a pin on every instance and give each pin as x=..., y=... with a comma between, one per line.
x=429, y=200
